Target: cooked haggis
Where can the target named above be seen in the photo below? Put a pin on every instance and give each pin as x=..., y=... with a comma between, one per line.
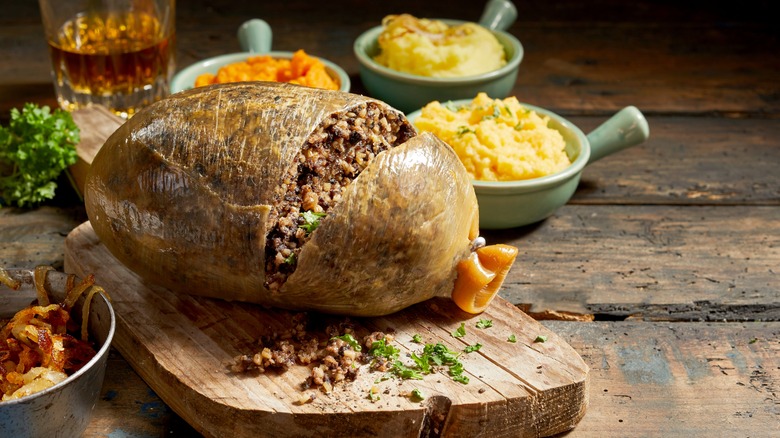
x=289, y=196
x=335, y=153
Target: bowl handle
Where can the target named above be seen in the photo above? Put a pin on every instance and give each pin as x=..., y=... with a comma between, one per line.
x=255, y=36
x=498, y=15
x=628, y=127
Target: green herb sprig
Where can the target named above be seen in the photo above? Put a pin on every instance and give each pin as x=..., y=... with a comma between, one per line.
x=35, y=147
x=311, y=220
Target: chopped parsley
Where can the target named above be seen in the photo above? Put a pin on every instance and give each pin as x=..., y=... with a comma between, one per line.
x=456, y=372
x=450, y=105
x=290, y=260
x=417, y=339
x=484, y=323
x=460, y=331
x=422, y=362
x=440, y=355
x=349, y=339
x=381, y=348
x=432, y=355
x=464, y=130
x=472, y=348
x=417, y=395
x=373, y=395
x=496, y=114
x=405, y=372
x=512, y=338
x=311, y=220
x=540, y=338
x=519, y=126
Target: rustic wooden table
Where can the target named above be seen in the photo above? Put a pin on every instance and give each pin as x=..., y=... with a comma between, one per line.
x=663, y=271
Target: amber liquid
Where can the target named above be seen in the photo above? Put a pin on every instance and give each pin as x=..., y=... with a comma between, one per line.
x=122, y=61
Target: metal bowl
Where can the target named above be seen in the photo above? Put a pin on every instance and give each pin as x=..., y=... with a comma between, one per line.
x=65, y=409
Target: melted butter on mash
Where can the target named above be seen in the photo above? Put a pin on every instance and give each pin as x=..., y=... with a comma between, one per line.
x=432, y=48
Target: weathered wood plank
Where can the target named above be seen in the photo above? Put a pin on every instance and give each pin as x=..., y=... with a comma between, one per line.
x=688, y=161
x=578, y=59
x=647, y=379
x=129, y=408
x=678, y=380
x=33, y=237
x=632, y=256
x=649, y=261
x=181, y=344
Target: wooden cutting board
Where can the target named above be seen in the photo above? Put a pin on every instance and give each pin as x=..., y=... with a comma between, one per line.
x=182, y=347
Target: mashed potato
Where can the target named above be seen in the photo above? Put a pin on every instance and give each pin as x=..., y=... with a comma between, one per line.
x=432, y=48
x=497, y=140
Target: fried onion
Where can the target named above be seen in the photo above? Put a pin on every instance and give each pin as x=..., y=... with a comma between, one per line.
x=38, y=346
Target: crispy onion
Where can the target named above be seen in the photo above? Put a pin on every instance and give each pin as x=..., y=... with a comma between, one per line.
x=38, y=346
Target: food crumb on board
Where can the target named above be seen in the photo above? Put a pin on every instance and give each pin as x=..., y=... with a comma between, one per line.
x=339, y=357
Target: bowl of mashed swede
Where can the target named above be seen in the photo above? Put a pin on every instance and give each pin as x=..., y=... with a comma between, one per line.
x=409, y=61
x=525, y=162
x=258, y=63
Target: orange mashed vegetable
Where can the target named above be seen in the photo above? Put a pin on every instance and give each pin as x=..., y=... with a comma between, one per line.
x=302, y=69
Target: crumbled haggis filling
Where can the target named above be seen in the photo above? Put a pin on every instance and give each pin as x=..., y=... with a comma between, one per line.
x=332, y=360
x=333, y=156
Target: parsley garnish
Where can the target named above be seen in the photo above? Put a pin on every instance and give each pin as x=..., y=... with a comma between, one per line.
x=405, y=372
x=450, y=105
x=35, y=148
x=417, y=339
x=540, y=338
x=417, y=395
x=512, y=338
x=440, y=354
x=290, y=260
x=496, y=114
x=311, y=220
x=422, y=362
x=460, y=331
x=460, y=378
x=381, y=348
x=464, y=130
x=472, y=348
x=484, y=323
x=349, y=339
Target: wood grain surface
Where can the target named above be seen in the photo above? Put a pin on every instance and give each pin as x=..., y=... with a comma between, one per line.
x=182, y=346
x=666, y=258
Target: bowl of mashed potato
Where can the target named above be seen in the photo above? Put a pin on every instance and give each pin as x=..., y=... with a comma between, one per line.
x=525, y=162
x=409, y=61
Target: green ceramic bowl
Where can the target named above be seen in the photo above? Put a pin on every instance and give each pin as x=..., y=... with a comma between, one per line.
x=254, y=37
x=408, y=92
x=509, y=204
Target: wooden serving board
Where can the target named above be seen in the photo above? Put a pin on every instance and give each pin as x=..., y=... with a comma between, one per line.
x=182, y=347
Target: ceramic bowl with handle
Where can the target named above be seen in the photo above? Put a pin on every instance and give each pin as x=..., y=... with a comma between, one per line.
x=408, y=92
x=255, y=38
x=508, y=204
x=65, y=409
